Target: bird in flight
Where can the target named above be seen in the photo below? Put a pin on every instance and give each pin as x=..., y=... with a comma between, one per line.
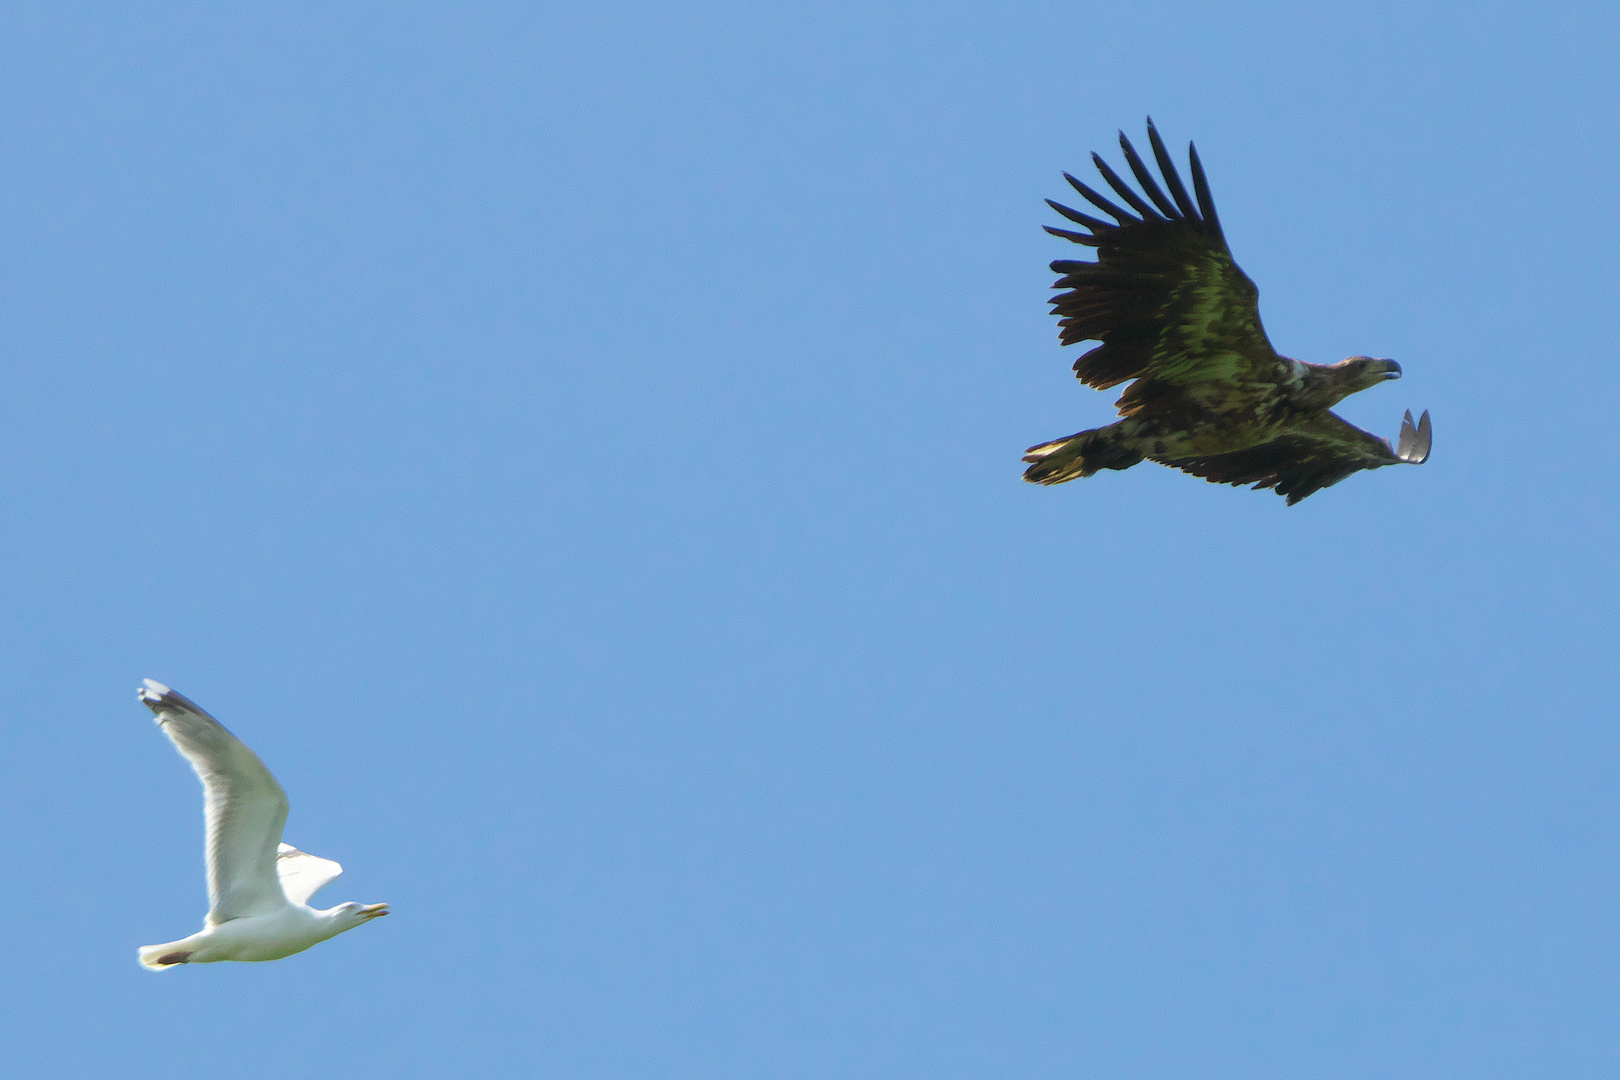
x=258, y=887
x=1211, y=397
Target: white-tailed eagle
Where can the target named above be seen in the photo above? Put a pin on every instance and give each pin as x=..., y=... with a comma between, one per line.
x=1211, y=396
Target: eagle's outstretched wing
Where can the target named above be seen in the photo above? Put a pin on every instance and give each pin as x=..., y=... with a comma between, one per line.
x=1321, y=452
x=1164, y=296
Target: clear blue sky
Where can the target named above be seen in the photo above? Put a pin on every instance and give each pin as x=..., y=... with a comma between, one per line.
x=578, y=449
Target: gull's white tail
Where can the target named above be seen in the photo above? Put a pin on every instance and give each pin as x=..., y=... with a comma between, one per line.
x=164, y=957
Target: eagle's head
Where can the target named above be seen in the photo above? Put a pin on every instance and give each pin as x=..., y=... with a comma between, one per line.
x=1355, y=374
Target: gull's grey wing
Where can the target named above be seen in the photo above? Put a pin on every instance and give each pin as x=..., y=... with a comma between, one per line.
x=302, y=874
x=243, y=806
x=1415, y=441
x=1318, y=453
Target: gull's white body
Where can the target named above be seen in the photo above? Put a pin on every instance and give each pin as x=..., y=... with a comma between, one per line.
x=257, y=886
x=294, y=928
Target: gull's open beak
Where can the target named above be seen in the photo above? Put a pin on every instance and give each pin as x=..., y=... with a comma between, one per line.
x=371, y=911
x=1392, y=370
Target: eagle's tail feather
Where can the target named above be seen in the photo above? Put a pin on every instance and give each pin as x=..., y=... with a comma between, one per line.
x=1079, y=455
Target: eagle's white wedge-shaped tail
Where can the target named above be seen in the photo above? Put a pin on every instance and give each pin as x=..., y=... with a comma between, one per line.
x=258, y=887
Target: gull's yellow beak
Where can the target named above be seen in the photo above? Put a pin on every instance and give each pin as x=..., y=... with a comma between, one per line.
x=371, y=911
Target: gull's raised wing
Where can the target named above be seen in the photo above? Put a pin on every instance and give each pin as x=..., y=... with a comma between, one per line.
x=243, y=806
x=1318, y=454
x=1164, y=297
x=302, y=874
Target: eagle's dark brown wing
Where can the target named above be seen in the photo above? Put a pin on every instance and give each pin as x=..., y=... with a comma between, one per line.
x=1164, y=296
x=1319, y=453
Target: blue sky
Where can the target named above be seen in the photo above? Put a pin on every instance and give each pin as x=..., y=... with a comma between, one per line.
x=577, y=447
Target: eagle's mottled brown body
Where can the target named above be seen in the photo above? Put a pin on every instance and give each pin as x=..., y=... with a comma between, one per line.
x=1211, y=396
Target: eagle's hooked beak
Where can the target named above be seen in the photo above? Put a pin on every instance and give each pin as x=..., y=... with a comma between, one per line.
x=1392, y=370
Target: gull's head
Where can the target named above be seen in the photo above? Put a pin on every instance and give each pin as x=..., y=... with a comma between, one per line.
x=354, y=914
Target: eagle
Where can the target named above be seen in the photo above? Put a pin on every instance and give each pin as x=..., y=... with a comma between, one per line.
x=1210, y=396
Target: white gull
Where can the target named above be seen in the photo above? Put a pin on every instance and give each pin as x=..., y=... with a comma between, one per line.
x=258, y=887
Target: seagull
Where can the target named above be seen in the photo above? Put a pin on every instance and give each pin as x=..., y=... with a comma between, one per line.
x=258, y=887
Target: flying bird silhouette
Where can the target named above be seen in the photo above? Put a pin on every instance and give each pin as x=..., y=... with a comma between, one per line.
x=258, y=887
x=1211, y=397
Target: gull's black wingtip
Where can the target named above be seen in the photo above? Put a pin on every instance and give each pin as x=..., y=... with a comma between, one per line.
x=159, y=698
x=152, y=692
